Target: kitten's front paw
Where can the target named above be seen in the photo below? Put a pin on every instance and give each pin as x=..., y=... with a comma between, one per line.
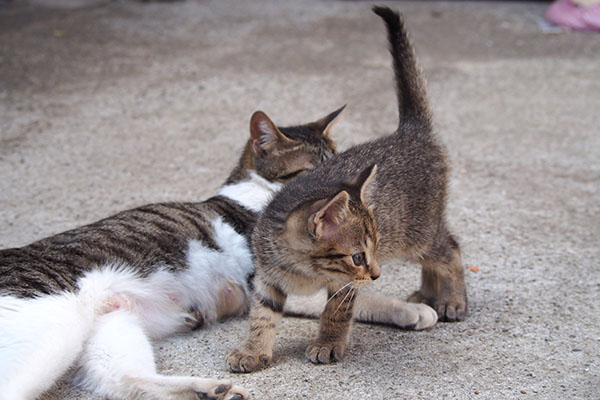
x=241, y=361
x=319, y=352
x=414, y=316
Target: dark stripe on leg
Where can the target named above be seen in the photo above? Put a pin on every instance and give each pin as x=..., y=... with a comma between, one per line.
x=275, y=306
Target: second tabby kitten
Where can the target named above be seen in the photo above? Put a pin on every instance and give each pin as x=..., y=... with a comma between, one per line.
x=330, y=227
x=95, y=296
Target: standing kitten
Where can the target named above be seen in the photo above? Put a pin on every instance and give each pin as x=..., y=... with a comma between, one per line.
x=95, y=296
x=329, y=227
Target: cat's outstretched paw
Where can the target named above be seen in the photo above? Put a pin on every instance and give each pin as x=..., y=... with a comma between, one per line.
x=237, y=393
x=242, y=361
x=194, y=319
x=413, y=316
x=223, y=391
x=448, y=308
x=319, y=352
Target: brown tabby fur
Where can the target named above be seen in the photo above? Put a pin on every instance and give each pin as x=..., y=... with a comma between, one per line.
x=406, y=202
x=144, y=244
x=155, y=235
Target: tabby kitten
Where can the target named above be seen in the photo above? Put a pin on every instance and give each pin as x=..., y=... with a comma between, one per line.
x=95, y=296
x=331, y=226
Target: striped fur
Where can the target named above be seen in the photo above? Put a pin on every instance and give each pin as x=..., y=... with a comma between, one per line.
x=101, y=292
x=401, y=213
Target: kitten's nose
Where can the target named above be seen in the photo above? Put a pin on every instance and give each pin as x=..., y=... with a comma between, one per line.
x=374, y=270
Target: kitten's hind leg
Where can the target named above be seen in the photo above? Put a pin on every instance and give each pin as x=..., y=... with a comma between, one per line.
x=443, y=281
x=118, y=363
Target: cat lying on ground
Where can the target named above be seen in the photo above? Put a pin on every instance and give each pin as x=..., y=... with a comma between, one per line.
x=94, y=298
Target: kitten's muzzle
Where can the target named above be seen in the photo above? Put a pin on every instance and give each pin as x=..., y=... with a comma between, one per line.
x=374, y=271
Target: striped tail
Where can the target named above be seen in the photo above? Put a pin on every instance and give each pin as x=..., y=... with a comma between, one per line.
x=410, y=88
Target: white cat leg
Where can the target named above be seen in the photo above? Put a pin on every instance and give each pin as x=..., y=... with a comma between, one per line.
x=179, y=387
x=118, y=363
x=39, y=340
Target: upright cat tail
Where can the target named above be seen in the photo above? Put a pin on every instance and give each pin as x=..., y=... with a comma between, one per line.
x=410, y=88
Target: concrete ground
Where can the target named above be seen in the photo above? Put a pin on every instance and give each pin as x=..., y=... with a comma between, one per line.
x=107, y=105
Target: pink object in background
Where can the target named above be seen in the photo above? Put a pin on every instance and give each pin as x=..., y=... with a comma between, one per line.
x=577, y=15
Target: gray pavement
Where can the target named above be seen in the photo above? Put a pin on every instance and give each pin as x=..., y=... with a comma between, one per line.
x=110, y=105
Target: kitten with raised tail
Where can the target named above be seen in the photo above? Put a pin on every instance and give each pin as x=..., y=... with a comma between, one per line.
x=94, y=298
x=332, y=226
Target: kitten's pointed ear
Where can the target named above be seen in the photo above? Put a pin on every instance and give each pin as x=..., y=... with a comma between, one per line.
x=366, y=183
x=264, y=134
x=325, y=123
x=324, y=223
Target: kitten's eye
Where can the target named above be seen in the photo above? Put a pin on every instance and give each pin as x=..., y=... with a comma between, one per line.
x=291, y=175
x=358, y=259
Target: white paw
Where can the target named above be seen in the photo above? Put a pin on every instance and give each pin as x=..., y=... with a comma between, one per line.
x=414, y=316
x=237, y=393
x=210, y=389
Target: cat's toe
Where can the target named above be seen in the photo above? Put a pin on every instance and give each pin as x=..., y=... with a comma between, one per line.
x=452, y=311
x=237, y=393
x=240, y=361
x=426, y=317
x=212, y=389
x=194, y=320
x=413, y=316
x=325, y=353
x=448, y=308
x=223, y=390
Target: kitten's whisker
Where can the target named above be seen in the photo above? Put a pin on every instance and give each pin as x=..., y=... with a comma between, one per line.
x=343, y=300
x=339, y=290
x=354, y=291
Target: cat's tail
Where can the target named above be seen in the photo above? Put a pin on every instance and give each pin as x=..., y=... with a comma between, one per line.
x=410, y=88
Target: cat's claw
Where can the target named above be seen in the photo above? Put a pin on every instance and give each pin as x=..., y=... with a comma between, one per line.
x=240, y=361
x=325, y=352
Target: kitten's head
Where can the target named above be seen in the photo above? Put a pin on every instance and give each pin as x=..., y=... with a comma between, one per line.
x=340, y=234
x=280, y=154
